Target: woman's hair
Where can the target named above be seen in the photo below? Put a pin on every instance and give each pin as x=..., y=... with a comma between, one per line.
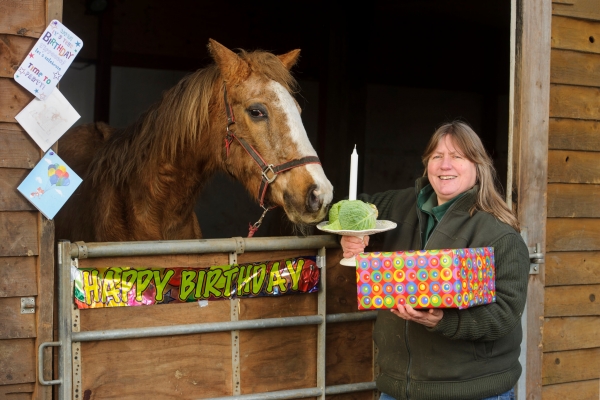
x=469, y=144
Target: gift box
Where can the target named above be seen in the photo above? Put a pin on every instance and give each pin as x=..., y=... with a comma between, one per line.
x=449, y=278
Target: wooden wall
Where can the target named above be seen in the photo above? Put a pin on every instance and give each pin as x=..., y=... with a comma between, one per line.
x=571, y=343
x=26, y=237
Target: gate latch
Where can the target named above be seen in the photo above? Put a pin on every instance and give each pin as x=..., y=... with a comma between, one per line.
x=536, y=257
x=27, y=305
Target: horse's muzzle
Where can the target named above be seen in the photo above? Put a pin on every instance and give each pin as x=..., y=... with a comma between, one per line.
x=314, y=199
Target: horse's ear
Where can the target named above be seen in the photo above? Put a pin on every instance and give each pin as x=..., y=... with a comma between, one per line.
x=289, y=59
x=231, y=65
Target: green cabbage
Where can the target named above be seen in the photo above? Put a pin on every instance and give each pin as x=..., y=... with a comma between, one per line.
x=352, y=215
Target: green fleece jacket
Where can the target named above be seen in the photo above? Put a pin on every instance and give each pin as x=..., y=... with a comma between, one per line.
x=471, y=353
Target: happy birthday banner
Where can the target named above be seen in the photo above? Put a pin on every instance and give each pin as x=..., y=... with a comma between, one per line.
x=126, y=286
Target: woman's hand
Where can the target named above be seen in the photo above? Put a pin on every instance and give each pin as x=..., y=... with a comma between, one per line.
x=353, y=245
x=428, y=318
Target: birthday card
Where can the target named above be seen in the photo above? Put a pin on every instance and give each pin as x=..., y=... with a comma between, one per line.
x=49, y=59
x=50, y=184
x=46, y=121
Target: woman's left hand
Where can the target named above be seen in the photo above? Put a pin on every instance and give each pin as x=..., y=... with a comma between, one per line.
x=428, y=318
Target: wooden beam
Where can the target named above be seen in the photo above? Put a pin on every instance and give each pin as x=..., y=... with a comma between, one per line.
x=18, y=233
x=14, y=49
x=574, y=102
x=572, y=268
x=10, y=198
x=13, y=98
x=571, y=366
x=17, y=149
x=565, y=301
x=574, y=134
x=573, y=234
x=18, y=276
x=530, y=170
x=23, y=19
x=14, y=324
x=575, y=68
x=573, y=166
x=571, y=333
x=17, y=357
x=575, y=34
x=581, y=390
x=573, y=200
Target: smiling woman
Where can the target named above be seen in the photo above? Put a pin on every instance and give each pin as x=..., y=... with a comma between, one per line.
x=455, y=205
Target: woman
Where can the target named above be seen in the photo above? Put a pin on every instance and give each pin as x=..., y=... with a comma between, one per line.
x=450, y=353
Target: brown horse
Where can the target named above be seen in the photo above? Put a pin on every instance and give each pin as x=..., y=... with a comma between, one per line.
x=237, y=115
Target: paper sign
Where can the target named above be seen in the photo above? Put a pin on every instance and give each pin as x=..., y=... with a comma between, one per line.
x=50, y=184
x=47, y=62
x=46, y=121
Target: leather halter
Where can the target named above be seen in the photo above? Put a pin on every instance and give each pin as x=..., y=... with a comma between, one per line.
x=269, y=171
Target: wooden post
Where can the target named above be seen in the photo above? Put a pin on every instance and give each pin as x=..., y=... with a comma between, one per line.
x=530, y=168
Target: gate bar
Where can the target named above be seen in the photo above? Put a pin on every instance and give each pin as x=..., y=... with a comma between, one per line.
x=302, y=393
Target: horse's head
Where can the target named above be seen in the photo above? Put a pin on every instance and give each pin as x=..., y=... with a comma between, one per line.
x=264, y=133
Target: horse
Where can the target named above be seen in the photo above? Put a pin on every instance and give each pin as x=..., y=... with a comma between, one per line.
x=236, y=115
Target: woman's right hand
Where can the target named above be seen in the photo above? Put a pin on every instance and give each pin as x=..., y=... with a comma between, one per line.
x=352, y=245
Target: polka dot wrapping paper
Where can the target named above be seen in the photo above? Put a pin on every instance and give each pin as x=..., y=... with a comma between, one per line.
x=449, y=278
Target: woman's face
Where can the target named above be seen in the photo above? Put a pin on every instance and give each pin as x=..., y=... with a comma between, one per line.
x=449, y=172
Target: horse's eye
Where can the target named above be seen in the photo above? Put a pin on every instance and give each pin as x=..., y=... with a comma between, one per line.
x=257, y=112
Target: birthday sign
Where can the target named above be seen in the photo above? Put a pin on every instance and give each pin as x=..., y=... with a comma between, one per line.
x=47, y=62
x=126, y=286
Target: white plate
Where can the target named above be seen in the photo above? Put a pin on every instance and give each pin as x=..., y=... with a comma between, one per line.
x=380, y=226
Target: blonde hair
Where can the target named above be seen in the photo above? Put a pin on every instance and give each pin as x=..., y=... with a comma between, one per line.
x=469, y=144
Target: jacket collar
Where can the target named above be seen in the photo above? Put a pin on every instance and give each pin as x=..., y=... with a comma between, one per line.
x=463, y=204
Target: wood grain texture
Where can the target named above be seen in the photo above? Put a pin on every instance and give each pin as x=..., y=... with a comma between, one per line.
x=582, y=390
x=574, y=102
x=18, y=276
x=10, y=198
x=170, y=368
x=574, y=134
x=13, y=98
x=573, y=200
x=575, y=68
x=13, y=50
x=575, y=34
x=18, y=233
x=349, y=353
x=583, y=9
x=25, y=18
x=567, y=301
x=16, y=392
x=17, y=149
x=573, y=234
x=13, y=324
x=565, y=166
x=571, y=366
x=572, y=268
x=17, y=358
x=571, y=333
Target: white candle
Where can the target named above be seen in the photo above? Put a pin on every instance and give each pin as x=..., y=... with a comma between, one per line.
x=353, y=174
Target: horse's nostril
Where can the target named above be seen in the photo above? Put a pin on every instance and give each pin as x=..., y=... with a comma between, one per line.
x=313, y=200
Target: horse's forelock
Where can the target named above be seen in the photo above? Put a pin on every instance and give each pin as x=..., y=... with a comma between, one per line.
x=270, y=66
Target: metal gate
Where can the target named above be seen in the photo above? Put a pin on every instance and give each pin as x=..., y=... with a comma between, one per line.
x=70, y=338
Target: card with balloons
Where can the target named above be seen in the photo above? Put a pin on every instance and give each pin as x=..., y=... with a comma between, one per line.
x=50, y=184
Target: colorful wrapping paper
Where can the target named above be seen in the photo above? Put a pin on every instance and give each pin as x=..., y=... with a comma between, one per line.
x=449, y=278
x=124, y=286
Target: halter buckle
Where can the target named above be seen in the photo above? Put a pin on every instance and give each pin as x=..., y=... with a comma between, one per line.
x=269, y=168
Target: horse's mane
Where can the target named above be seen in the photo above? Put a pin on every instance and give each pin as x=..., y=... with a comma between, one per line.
x=175, y=123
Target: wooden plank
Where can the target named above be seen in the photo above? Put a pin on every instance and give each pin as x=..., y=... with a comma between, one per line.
x=17, y=149
x=10, y=198
x=13, y=324
x=574, y=102
x=572, y=268
x=25, y=18
x=13, y=50
x=573, y=234
x=565, y=301
x=581, y=9
x=13, y=98
x=575, y=34
x=349, y=352
x=17, y=357
x=18, y=276
x=529, y=131
x=583, y=390
x=573, y=200
x=18, y=233
x=575, y=68
x=16, y=392
x=571, y=333
x=574, y=134
x=179, y=367
x=571, y=366
x=566, y=166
